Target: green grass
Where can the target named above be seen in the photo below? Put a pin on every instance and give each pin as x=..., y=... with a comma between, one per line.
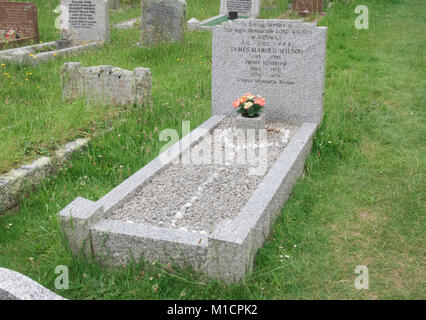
x=34, y=120
x=360, y=202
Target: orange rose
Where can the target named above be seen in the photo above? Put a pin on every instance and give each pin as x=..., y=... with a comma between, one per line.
x=243, y=99
x=260, y=101
x=236, y=103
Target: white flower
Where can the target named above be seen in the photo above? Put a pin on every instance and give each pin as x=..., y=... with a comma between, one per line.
x=247, y=105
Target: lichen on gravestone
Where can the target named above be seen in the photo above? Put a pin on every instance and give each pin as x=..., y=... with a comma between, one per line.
x=162, y=21
x=106, y=84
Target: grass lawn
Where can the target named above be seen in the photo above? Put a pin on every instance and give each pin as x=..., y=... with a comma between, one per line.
x=361, y=200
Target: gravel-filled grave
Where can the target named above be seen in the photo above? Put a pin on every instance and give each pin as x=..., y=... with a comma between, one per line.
x=196, y=197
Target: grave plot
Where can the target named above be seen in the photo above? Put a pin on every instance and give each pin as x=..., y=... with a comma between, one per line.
x=214, y=216
x=191, y=188
x=39, y=53
x=84, y=26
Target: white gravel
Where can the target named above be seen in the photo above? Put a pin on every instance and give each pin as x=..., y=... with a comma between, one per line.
x=198, y=196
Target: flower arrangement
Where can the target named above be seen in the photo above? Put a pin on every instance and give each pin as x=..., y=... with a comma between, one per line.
x=11, y=34
x=249, y=105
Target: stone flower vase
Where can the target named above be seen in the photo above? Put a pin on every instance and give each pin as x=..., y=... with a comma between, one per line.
x=246, y=122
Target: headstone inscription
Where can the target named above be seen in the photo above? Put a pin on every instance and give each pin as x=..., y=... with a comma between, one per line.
x=86, y=20
x=18, y=23
x=306, y=7
x=247, y=8
x=162, y=21
x=281, y=60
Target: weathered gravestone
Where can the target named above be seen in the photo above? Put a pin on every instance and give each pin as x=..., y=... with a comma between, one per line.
x=20, y=17
x=305, y=7
x=248, y=8
x=106, y=84
x=86, y=20
x=162, y=21
x=281, y=60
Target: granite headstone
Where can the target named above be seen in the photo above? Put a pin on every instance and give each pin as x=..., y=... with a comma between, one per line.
x=86, y=20
x=281, y=60
x=248, y=8
x=162, y=21
x=20, y=17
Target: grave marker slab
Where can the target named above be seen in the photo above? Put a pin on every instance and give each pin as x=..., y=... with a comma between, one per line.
x=22, y=18
x=248, y=8
x=106, y=84
x=162, y=21
x=86, y=20
x=16, y=286
x=281, y=60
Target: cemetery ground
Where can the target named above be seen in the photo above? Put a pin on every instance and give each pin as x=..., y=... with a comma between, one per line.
x=360, y=201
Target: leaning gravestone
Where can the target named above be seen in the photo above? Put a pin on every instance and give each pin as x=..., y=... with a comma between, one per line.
x=106, y=84
x=162, y=21
x=281, y=60
x=20, y=17
x=248, y=8
x=86, y=20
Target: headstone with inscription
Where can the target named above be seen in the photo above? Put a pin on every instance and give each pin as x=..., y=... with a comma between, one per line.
x=86, y=20
x=162, y=21
x=247, y=8
x=281, y=60
x=21, y=17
